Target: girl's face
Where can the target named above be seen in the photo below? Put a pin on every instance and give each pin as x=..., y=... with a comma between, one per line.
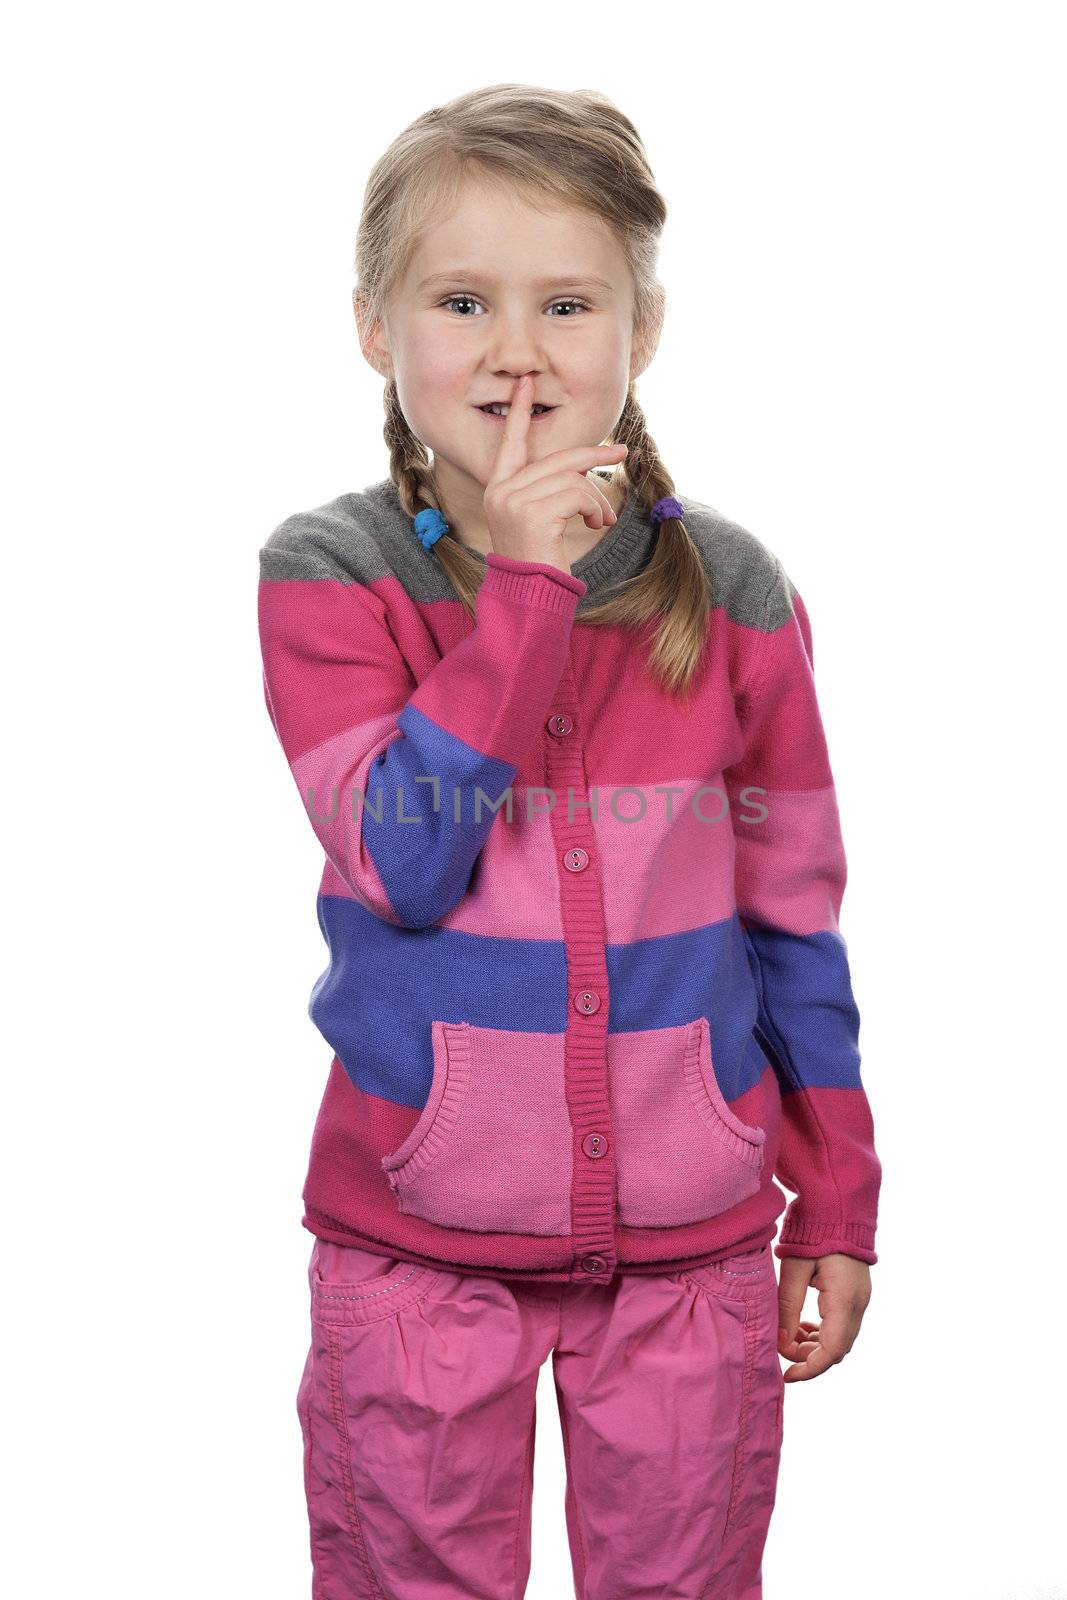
x=494, y=291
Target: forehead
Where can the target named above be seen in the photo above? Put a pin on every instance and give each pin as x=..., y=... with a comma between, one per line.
x=503, y=236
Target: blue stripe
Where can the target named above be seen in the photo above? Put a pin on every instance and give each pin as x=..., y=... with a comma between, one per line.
x=384, y=985
x=424, y=857
x=807, y=1011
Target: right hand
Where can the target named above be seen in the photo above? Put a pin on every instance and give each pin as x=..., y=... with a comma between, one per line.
x=529, y=503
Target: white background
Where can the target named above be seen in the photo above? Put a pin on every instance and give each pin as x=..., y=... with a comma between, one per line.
x=864, y=365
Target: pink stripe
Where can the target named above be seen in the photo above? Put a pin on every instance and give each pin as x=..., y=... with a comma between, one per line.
x=330, y=767
x=335, y=666
x=791, y=867
x=656, y=877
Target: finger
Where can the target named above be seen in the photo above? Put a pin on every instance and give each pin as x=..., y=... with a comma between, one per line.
x=581, y=495
x=610, y=514
x=580, y=458
x=794, y=1278
x=512, y=453
x=816, y=1361
x=796, y=1346
x=836, y=1332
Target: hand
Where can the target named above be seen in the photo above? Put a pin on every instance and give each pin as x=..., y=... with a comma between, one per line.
x=529, y=503
x=844, y=1286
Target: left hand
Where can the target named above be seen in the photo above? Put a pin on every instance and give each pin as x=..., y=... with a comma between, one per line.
x=844, y=1286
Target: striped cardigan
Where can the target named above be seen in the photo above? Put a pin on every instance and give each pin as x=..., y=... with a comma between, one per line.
x=586, y=992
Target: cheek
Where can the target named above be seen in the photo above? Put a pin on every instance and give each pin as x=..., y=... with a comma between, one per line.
x=597, y=374
x=431, y=389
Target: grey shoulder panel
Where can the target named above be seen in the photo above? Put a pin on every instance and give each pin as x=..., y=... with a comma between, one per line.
x=356, y=538
x=329, y=541
x=745, y=577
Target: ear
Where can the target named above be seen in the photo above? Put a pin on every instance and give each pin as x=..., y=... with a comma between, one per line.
x=372, y=340
x=647, y=336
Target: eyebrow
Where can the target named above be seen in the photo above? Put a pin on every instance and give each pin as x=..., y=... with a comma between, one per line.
x=457, y=274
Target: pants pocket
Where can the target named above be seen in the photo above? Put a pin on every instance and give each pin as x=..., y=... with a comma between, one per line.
x=682, y=1154
x=352, y=1285
x=492, y=1148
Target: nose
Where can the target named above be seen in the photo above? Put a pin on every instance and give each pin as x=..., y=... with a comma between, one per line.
x=514, y=350
x=508, y=373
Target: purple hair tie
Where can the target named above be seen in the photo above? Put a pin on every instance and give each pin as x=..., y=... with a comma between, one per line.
x=667, y=507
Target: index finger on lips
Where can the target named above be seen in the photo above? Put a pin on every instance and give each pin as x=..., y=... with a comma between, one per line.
x=511, y=455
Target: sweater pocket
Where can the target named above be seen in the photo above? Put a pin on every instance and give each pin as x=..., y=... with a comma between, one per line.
x=681, y=1154
x=492, y=1148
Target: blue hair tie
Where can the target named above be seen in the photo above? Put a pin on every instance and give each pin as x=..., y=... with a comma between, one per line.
x=667, y=507
x=429, y=525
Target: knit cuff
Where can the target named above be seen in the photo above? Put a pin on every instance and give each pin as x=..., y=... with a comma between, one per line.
x=524, y=580
x=810, y=1237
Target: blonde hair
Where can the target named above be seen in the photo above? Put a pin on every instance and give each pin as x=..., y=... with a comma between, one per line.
x=570, y=147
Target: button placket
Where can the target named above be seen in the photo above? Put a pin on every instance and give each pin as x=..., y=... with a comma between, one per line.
x=585, y=1042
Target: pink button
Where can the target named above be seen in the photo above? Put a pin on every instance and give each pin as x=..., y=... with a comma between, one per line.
x=592, y=1263
x=576, y=860
x=559, y=724
x=587, y=1002
x=595, y=1145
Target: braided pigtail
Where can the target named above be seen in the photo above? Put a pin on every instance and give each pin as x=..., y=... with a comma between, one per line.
x=411, y=471
x=673, y=585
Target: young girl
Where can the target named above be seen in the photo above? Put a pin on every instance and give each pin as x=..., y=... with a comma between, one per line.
x=557, y=731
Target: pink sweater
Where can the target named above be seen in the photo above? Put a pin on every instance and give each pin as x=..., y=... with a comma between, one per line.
x=586, y=992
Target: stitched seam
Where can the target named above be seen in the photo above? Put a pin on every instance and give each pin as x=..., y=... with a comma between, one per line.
x=799, y=1086
x=372, y=1293
x=746, y=1275
x=714, y=1294
x=306, y=1409
x=752, y=691
x=752, y=685
x=524, y=1488
x=744, y=1142
x=341, y=1425
x=740, y=1453
x=742, y=1431
x=577, y=1499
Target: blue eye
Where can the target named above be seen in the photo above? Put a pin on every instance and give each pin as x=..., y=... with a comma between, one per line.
x=454, y=299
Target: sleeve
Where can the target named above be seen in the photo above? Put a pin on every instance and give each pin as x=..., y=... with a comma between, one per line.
x=402, y=781
x=790, y=874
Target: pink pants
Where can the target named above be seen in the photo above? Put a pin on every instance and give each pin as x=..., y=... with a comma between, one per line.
x=417, y=1408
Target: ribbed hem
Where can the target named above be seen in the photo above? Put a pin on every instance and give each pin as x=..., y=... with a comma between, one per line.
x=523, y=581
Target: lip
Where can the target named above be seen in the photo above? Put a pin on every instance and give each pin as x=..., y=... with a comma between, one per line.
x=491, y=416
